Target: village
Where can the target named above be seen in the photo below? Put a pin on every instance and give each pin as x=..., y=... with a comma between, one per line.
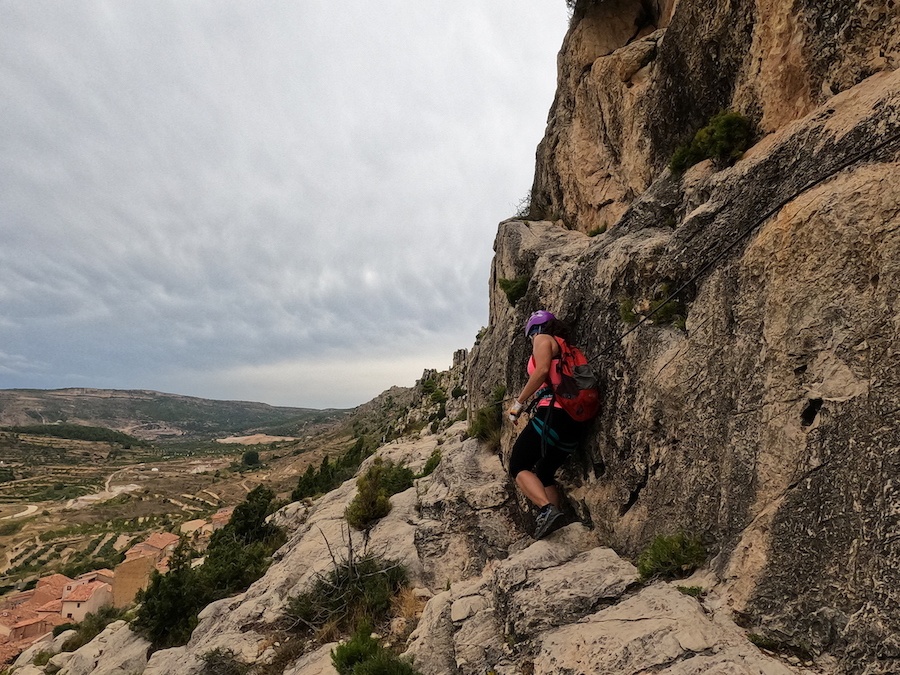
x=27, y=616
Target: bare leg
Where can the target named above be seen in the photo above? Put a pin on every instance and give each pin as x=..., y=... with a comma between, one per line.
x=531, y=487
x=552, y=493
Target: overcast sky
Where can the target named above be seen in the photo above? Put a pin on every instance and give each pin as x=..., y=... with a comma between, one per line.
x=290, y=201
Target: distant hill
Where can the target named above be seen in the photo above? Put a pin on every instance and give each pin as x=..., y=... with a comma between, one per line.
x=154, y=415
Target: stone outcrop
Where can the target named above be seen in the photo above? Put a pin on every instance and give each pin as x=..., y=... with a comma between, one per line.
x=638, y=78
x=116, y=651
x=496, y=600
x=766, y=422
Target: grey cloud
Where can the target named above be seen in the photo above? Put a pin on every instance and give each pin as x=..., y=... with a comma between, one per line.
x=188, y=189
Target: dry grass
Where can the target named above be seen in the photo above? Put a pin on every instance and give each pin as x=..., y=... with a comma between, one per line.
x=406, y=605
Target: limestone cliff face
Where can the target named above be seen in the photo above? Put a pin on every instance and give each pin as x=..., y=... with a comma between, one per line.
x=768, y=423
x=639, y=77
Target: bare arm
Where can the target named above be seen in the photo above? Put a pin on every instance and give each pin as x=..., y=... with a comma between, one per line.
x=543, y=350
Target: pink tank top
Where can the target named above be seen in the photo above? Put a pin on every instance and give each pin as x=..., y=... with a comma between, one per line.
x=554, y=377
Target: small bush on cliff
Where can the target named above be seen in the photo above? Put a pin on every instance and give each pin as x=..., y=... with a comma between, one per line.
x=725, y=138
x=92, y=626
x=671, y=557
x=514, y=288
x=363, y=655
x=361, y=647
x=331, y=474
x=431, y=464
x=488, y=420
x=355, y=591
x=375, y=486
x=223, y=662
x=626, y=311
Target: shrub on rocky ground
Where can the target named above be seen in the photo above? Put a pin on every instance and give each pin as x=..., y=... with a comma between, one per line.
x=354, y=591
x=725, y=138
x=671, y=557
x=514, y=288
x=375, y=486
x=92, y=626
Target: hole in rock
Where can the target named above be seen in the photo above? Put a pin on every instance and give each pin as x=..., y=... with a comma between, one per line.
x=808, y=416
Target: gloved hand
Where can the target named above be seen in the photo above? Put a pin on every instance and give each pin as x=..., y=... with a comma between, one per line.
x=514, y=412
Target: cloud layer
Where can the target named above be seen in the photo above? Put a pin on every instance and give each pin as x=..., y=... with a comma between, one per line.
x=288, y=202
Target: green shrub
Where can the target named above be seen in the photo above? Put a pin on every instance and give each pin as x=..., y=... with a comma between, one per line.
x=725, y=138
x=62, y=628
x=672, y=312
x=514, y=288
x=488, y=420
x=223, y=662
x=41, y=658
x=92, y=626
x=355, y=591
x=671, y=557
x=237, y=555
x=330, y=475
x=361, y=647
x=363, y=655
x=626, y=311
x=250, y=458
x=458, y=392
x=431, y=464
x=600, y=229
x=384, y=663
x=374, y=487
x=693, y=591
x=802, y=651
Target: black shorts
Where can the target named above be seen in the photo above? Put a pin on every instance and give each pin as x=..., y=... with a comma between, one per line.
x=545, y=455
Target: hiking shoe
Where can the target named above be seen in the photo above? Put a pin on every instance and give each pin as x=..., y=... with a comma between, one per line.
x=545, y=519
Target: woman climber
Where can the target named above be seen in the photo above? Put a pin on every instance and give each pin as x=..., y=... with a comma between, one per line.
x=552, y=435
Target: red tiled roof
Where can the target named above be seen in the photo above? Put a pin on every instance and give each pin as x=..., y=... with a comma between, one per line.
x=52, y=606
x=54, y=581
x=141, y=550
x=222, y=516
x=84, y=592
x=10, y=617
x=28, y=622
x=161, y=540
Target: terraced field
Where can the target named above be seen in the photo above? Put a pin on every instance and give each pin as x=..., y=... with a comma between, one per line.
x=73, y=506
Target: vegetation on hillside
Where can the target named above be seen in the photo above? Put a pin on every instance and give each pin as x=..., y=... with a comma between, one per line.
x=330, y=474
x=724, y=139
x=374, y=489
x=78, y=432
x=237, y=555
x=671, y=557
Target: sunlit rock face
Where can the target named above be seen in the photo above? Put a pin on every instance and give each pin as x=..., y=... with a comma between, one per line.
x=638, y=78
x=762, y=414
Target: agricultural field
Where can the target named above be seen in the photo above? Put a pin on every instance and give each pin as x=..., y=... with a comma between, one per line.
x=71, y=505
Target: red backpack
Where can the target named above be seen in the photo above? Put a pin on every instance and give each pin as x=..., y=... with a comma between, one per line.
x=577, y=389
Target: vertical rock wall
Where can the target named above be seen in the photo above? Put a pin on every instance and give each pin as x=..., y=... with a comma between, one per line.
x=638, y=78
x=767, y=422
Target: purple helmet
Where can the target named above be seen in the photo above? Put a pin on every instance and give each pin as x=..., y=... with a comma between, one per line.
x=538, y=318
